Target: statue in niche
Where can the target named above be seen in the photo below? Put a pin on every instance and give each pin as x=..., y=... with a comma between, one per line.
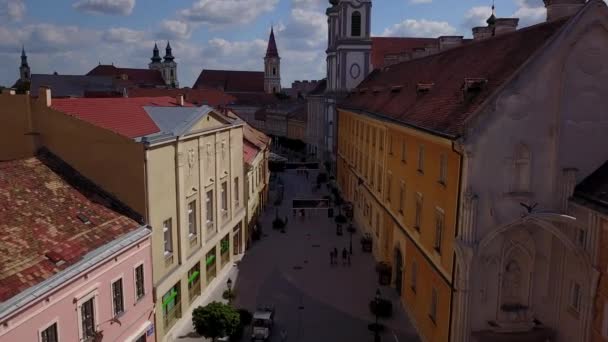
x=191, y=161
x=512, y=285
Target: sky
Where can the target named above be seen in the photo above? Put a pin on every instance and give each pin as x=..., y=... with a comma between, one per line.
x=73, y=36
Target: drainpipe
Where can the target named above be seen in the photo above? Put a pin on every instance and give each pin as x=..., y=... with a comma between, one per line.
x=458, y=203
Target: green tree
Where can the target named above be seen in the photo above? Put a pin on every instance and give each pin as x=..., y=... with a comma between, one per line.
x=215, y=320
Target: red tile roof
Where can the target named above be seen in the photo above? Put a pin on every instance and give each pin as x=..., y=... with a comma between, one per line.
x=257, y=138
x=139, y=77
x=249, y=152
x=392, y=92
x=231, y=80
x=382, y=46
x=125, y=116
x=201, y=96
x=40, y=203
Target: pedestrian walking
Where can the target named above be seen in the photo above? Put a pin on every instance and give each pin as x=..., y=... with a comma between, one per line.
x=344, y=256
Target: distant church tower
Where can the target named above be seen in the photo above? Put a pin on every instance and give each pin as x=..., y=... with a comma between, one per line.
x=24, y=70
x=272, y=67
x=349, y=45
x=167, y=68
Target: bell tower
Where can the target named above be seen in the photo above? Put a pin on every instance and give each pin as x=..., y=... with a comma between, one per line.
x=272, y=67
x=24, y=70
x=349, y=44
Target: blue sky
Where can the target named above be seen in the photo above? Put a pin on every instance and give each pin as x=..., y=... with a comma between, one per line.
x=72, y=36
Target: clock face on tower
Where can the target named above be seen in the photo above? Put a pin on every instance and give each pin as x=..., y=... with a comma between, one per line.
x=355, y=71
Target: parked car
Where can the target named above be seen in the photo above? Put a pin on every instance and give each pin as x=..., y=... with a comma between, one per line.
x=263, y=320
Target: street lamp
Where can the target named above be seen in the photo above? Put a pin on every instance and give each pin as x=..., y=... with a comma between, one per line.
x=376, y=326
x=229, y=286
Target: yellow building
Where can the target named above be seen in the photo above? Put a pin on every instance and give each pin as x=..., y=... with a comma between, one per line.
x=404, y=187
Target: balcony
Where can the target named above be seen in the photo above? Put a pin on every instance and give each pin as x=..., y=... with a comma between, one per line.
x=172, y=315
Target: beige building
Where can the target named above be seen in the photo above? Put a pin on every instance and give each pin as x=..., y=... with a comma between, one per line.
x=256, y=149
x=180, y=167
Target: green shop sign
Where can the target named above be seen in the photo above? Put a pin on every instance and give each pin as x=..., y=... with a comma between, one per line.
x=210, y=260
x=193, y=277
x=169, y=297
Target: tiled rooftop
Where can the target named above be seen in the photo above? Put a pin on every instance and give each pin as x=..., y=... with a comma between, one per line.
x=231, y=80
x=393, y=91
x=125, y=116
x=201, y=96
x=43, y=203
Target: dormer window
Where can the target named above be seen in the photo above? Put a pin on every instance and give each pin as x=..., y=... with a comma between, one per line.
x=356, y=24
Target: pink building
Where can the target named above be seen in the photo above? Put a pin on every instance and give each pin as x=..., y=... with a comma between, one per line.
x=75, y=264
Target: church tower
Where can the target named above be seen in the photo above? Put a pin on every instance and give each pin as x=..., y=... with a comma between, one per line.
x=24, y=70
x=349, y=44
x=169, y=68
x=272, y=67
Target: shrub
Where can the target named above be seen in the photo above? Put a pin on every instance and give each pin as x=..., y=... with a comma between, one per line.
x=215, y=320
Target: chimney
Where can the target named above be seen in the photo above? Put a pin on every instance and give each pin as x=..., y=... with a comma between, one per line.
x=44, y=95
x=504, y=25
x=447, y=42
x=180, y=100
x=562, y=8
x=482, y=32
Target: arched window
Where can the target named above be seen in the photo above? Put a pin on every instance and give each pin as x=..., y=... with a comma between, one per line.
x=274, y=71
x=521, y=169
x=355, y=24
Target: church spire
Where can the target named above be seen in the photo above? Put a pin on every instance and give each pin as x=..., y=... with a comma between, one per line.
x=24, y=69
x=492, y=19
x=23, y=56
x=272, y=50
x=155, y=55
x=168, y=53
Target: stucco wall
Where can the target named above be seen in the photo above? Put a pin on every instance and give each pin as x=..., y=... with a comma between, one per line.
x=541, y=109
x=15, y=122
x=61, y=306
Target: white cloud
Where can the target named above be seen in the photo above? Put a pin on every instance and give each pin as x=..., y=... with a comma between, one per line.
x=111, y=7
x=12, y=10
x=416, y=2
x=530, y=12
x=123, y=35
x=226, y=12
x=174, y=29
x=419, y=28
x=477, y=16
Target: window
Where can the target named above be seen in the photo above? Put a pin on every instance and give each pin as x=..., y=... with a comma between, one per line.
x=403, y=151
x=443, y=169
x=141, y=338
x=418, y=221
x=209, y=208
x=433, y=309
x=575, y=296
x=355, y=24
x=421, y=158
x=117, y=298
x=581, y=236
x=194, y=281
x=49, y=334
x=236, y=193
x=274, y=72
x=192, y=229
x=171, y=303
x=210, y=265
x=87, y=313
x=414, y=275
x=389, y=181
x=140, y=289
x=224, y=199
x=168, y=237
x=402, y=198
x=439, y=225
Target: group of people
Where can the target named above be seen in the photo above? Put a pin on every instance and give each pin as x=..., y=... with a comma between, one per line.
x=333, y=257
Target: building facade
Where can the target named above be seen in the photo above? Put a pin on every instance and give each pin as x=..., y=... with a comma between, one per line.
x=404, y=186
x=88, y=276
x=501, y=140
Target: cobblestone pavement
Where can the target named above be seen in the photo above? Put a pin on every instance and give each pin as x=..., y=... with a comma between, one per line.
x=314, y=301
